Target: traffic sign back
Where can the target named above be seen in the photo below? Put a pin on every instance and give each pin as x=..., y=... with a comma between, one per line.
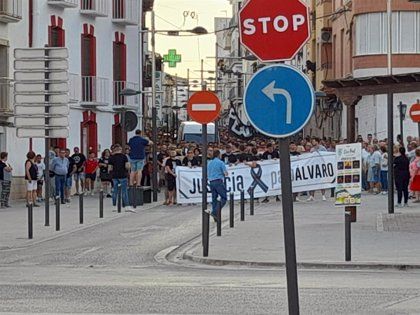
x=279, y=100
x=204, y=107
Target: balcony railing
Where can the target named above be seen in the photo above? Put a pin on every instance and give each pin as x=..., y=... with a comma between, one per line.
x=88, y=90
x=125, y=12
x=94, y=7
x=10, y=11
x=124, y=101
x=5, y=96
x=64, y=3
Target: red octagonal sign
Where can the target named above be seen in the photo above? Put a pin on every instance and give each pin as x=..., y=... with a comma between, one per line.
x=274, y=30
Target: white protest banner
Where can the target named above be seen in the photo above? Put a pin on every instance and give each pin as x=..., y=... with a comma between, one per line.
x=310, y=171
x=348, y=190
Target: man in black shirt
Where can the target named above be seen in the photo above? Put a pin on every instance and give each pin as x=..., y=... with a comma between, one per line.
x=293, y=149
x=71, y=171
x=270, y=153
x=119, y=166
x=190, y=160
x=242, y=156
x=229, y=157
x=79, y=160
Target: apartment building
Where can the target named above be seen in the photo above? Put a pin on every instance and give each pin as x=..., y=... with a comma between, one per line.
x=360, y=41
x=104, y=43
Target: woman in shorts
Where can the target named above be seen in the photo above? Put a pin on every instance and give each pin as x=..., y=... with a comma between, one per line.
x=31, y=174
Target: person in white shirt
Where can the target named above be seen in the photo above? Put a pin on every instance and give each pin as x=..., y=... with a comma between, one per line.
x=374, y=169
x=40, y=177
x=384, y=170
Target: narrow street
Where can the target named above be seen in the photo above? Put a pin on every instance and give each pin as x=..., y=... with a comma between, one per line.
x=120, y=267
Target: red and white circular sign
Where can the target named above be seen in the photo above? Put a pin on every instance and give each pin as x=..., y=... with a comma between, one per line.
x=204, y=107
x=274, y=30
x=415, y=112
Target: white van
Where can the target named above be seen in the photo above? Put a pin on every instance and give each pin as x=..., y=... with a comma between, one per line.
x=190, y=131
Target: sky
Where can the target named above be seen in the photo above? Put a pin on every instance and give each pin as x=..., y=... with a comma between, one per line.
x=170, y=16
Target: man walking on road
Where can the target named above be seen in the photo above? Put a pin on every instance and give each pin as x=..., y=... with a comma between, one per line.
x=217, y=172
x=119, y=167
x=137, y=146
x=60, y=167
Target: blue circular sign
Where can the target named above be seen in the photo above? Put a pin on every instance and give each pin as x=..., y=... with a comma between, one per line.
x=279, y=100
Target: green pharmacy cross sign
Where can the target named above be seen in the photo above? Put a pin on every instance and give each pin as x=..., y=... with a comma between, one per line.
x=172, y=58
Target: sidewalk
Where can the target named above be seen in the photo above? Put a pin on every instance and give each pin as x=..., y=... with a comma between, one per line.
x=377, y=238
x=14, y=220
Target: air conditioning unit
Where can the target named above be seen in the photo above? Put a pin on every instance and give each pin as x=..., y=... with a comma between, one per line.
x=326, y=37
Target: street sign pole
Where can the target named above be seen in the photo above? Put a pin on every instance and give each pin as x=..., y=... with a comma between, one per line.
x=205, y=216
x=47, y=146
x=289, y=227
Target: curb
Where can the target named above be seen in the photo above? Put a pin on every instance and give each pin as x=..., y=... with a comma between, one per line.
x=302, y=265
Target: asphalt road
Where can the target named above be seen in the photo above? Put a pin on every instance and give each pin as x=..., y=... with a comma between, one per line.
x=113, y=268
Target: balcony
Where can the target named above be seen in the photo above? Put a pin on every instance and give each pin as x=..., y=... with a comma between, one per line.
x=5, y=94
x=88, y=90
x=64, y=3
x=124, y=102
x=94, y=8
x=10, y=11
x=125, y=12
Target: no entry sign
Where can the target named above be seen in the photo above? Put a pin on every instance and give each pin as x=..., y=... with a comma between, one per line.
x=415, y=112
x=274, y=30
x=204, y=107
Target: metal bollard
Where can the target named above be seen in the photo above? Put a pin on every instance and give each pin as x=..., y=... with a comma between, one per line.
x=347, y=231
x=57, y=213
x=101, y=203
x=231, y=211
x=242, y=205
x=251, y=202
x=81, y=208
x=30, y=221
x=219, y=219
x=119, y=198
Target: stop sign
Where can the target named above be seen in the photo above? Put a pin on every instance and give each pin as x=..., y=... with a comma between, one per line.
x=415, y=112
x=274, y=30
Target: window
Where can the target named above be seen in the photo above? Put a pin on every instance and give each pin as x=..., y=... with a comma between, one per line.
x=372, y=33
x=88, y=62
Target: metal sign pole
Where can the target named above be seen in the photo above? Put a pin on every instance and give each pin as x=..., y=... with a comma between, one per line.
x=205, y=216
x=289, y=227
x=47, y=148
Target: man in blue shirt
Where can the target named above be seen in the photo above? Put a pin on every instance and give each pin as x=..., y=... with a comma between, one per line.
x=137, y=155
x=60, y=167
x=217, y=172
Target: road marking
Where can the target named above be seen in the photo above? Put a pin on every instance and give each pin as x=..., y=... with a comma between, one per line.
x=203, y=107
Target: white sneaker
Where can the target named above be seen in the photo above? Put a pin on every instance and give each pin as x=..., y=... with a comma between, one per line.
x=311, y=198
x=398, y=205
x=129, y=209
x=92, y=193
x=208, y=211
x=406, y=205
x=297, y=199
x=324, y=198
x=384, y=193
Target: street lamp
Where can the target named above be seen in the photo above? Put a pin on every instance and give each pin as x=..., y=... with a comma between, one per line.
x=197, y=31
x=403, y=111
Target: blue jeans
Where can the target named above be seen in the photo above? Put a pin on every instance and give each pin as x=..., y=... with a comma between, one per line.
x=217, y=188
x=60, y=182
x=384, y=180
x=124, y=192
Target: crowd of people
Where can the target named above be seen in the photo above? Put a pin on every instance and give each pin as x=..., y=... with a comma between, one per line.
x=132, y=166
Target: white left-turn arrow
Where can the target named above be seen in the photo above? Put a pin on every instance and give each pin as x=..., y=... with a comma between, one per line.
x=270, y=91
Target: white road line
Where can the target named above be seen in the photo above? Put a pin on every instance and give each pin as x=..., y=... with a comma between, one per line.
x=203, y=107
